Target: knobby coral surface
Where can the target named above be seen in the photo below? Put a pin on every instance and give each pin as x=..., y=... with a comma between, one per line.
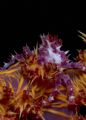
x=43, y=84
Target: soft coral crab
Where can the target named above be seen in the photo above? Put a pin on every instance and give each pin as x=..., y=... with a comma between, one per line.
x=40, y=81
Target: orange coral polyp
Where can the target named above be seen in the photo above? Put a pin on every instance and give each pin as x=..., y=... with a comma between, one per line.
x=37, y=83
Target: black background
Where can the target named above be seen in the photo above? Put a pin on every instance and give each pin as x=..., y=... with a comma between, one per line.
x=20, y=26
